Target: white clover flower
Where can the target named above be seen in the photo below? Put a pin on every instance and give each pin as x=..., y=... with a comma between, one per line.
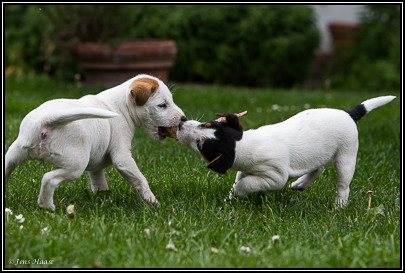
x=21, y=227
x=8, y=213
x=147, y=231
x=45, y=229
x=70, y=210
x=275, y=238
x=171, y=246
x=214, y=250
x=20, y=218
x=245, y=249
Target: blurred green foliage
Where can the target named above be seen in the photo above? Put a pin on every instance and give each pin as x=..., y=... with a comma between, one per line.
x=374, y=62
x=255, y=45
x=43, y=38
x=259, y=45
x=23, y=39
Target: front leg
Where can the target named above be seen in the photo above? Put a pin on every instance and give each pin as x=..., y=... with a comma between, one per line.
x=98, y=181
x=247, y=184
x=126, y=165
x=239, y=176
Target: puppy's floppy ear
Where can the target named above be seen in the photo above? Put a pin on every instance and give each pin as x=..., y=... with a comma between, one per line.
x=222, y=163
x=232, y=121
x=142, y=88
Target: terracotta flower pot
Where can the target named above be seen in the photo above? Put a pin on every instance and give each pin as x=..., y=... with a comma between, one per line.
x=343, y=34
x=113, y=64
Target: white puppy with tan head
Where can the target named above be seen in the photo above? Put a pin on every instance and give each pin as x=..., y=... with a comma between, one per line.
x=93, y=132
x=267, y=157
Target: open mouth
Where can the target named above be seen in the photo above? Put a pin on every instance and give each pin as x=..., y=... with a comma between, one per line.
x=164, y=132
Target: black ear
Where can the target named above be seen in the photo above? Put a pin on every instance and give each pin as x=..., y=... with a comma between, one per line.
x=232, y=121
x=222, y=163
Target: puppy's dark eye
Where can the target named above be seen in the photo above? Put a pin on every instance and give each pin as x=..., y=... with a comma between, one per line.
x=162, y=105
x=200, y=141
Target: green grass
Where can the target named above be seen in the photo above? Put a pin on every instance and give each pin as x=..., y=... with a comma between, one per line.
x=108, y=229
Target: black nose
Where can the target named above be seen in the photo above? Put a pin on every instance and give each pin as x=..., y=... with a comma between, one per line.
x=182, y=120
x=181, y=125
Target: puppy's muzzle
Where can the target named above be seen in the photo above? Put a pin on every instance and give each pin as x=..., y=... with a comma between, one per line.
x=182, y=120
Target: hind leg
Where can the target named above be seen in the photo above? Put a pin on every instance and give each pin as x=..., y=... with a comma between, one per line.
x=303, y=182
x=98, y=181
x=14, y=157
x=345, y=168
x=70, y=166
x=50, y=181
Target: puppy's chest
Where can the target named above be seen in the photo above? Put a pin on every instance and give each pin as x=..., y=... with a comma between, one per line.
x=260, y=148
x=251, y=159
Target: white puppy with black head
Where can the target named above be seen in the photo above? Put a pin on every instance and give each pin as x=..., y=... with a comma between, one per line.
x=93, y=132
x=267, y=157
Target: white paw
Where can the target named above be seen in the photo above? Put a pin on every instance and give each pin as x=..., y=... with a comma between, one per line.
x=149, y=198
x=240, y=194
x=340, y=202
x=97, y=188
x=43, y=204
x=297, y=186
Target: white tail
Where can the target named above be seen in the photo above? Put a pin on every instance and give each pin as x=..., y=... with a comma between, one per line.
x=366, y=106
x=68, y=115
x=371, y=104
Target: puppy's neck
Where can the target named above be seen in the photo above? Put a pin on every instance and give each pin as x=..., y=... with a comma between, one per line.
x=117, y=98
x=241, y=155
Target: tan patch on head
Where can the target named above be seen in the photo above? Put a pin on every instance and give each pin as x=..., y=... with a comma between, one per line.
x=207, y=125
x=142, y=88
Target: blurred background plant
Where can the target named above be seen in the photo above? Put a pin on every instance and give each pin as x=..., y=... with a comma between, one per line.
x=254, y=45
x=233, y=44
x=374, y=61
x=43, y=38
x=251, y=45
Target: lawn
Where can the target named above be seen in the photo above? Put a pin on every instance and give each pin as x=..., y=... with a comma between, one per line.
x=195, y=227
